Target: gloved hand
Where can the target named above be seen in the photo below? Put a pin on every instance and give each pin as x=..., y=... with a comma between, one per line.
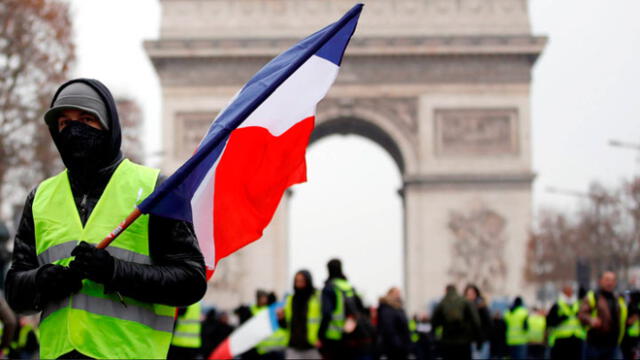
x=94, y=264
x=55, y=282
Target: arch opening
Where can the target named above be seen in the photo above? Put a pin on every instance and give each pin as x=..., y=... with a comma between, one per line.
x=363, y=128
x=350, y=208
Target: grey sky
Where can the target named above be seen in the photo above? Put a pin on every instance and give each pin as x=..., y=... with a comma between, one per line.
x=585, y=92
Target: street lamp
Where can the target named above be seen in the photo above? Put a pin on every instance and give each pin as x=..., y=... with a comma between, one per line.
x=625, y=145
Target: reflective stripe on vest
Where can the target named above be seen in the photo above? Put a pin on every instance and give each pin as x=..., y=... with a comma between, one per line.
x=91, y=321
x=516, y=334
x=537, y=325
x=188, y=326
x=61, y=251
x=622, y=307
x=336, y=326
x=314, y=315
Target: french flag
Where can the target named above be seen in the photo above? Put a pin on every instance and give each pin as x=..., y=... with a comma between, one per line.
x=255, y=149
x=248, y=335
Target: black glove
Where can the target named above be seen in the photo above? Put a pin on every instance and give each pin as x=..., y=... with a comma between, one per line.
x=55, y=282
x=94, y=264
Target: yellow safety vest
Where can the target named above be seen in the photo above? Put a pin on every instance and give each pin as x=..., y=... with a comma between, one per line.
x=571, y=327
x=96, y=324
x=276, y=342
x=591, y=297
x=537, y=325
x=413, y=330
x=188, y=326
x=314, y=315
x=516, y=334
x=343, y=291
x=634, y=329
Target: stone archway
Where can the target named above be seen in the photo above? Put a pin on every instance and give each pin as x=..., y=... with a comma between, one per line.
x=443, y=86
x=346, y=123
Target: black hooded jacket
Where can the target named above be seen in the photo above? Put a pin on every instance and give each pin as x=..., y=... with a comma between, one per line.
x=177, y=274
x=299, y=313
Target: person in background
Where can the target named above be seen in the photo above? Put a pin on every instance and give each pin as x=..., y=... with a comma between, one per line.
x=499, y=348
x=215, y=329
x=424, y=347
x=537, y=324
x=25, y=343
x=338, y=312
x=273, y=347
x=631, y=338
x=566, y=333
x=517, y=327
x=9, y=326
x=394, y=337
x=302, y=313
x=605, y=313
x=186, y=341
x=481, y=348
x=460, y=325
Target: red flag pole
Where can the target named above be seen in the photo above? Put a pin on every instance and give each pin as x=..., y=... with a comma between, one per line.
x=119, y=229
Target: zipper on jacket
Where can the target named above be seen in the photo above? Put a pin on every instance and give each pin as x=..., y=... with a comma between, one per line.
x=83, y=208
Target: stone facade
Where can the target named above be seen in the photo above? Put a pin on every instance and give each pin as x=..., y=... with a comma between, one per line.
x=442, y=85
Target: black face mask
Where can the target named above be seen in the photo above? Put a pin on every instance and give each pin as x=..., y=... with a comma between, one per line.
x=83, y=148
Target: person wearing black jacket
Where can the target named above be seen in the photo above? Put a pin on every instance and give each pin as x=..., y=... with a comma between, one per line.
x=565, y=330
x=301, y=316
x=481, y=348
x=352, y=326
x=394, y=338
x=460, y=325
x=83, y=122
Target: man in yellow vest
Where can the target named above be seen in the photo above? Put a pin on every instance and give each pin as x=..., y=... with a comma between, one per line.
x=517, y=327
x=537, y=324
x=631, y=339
x=186, y=341
x=566, y=333
x=273, y=347
x=301, y=315
x=338, y=312
x=97, y=303
x=605, y=314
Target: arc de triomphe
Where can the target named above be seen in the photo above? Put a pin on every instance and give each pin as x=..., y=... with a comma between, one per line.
x=442, y=85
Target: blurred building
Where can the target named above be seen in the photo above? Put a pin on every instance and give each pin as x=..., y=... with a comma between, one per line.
x=442, y=85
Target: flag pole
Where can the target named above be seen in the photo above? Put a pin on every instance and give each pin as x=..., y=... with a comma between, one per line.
x=119, y=229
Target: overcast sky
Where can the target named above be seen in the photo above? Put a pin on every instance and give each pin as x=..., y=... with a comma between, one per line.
x=585, y=92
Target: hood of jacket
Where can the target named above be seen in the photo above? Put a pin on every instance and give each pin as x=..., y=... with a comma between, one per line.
x=111, y=157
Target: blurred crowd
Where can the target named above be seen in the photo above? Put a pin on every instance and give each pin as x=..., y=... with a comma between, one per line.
x=331, y=322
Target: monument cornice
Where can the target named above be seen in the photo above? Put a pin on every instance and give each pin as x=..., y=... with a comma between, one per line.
x=474, y=180
x=370, y=46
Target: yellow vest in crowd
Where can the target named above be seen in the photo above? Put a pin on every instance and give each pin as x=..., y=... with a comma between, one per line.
x=187, y=331
x=343, y=291
x=622, y=324
x=276, y=342
x=516, y=333
x=314, y=315
x=571, y=327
